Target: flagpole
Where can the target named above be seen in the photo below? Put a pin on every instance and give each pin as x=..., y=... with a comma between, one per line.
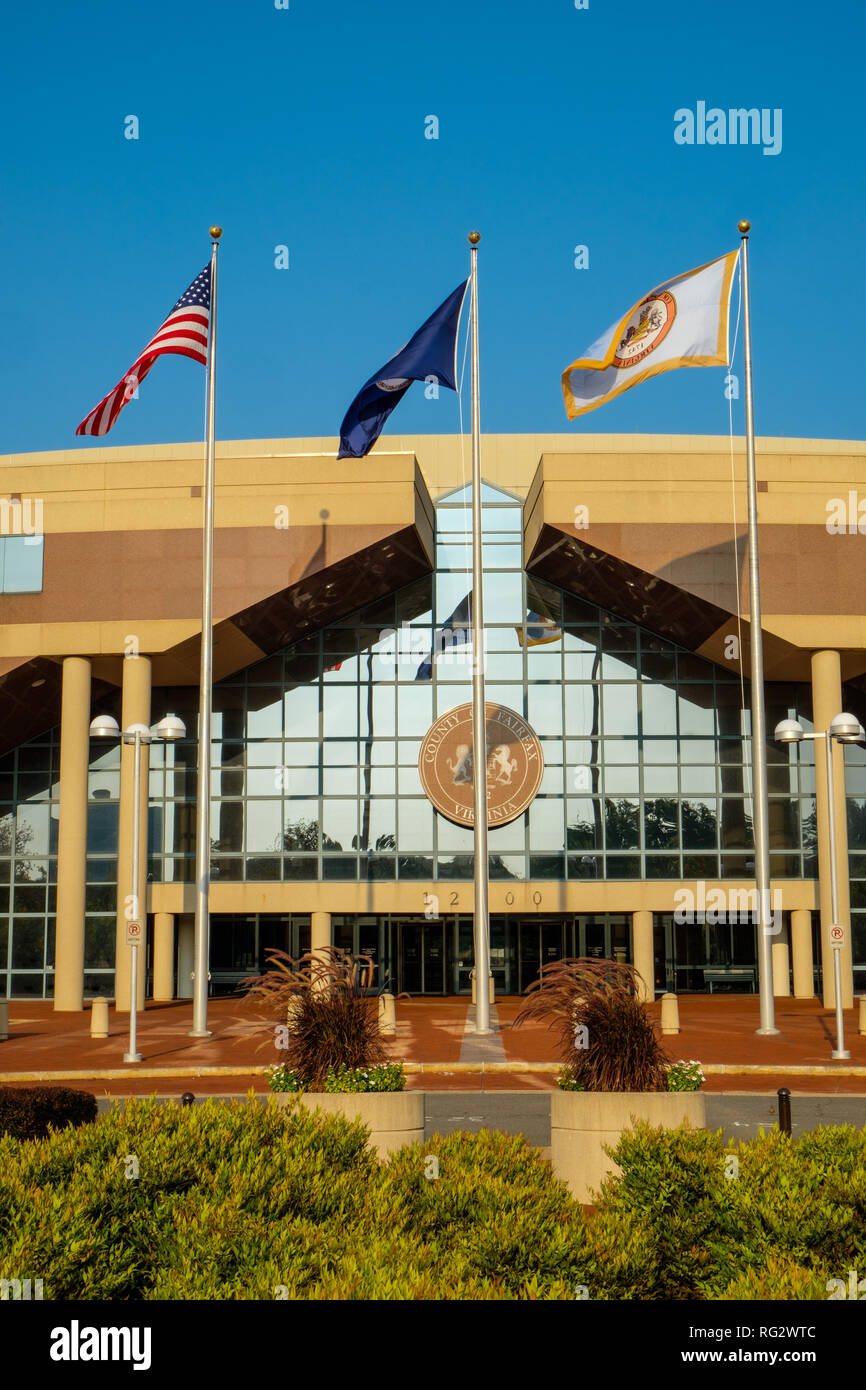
x=202, y=838
x=760, y=815
x=479, y=722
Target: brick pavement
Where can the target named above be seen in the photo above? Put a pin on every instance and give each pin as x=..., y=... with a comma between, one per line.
x=719, y=1030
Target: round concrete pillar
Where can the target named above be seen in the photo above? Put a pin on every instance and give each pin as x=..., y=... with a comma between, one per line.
x=781, y=969
x=642, y=954
x=801, y=951
x=320, y=934
x=72, y=834
x=136, y=710
x=163, y=955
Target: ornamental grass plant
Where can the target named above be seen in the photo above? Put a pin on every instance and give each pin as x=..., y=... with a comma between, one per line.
x=606, y=1039
x=322, y=1006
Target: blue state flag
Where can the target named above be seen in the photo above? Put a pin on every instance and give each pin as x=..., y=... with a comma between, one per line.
x=454, y=632
x=432, y=352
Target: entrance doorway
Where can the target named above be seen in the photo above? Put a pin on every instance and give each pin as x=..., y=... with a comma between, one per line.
x=706, y=958
x=422, y=957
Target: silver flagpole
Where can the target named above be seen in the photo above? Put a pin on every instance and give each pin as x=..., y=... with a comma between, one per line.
x=202, y=836
x=479, y=721
x=760, y=816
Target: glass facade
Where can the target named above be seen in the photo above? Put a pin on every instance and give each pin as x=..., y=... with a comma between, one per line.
x=314, y=773
x=645, y=745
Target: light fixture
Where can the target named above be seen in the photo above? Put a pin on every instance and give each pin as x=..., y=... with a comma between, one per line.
x=846, y=729
x=169, y=729
x=789, y=731
x=104, y=726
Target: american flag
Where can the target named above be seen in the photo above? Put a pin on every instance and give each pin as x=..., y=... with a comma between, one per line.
x=184, y=331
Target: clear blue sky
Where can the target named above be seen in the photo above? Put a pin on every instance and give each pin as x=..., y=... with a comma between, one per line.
x=305, y=127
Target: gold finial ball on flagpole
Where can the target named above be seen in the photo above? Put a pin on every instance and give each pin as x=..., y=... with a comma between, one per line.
x=474, y=238
x=216, y=233
x=744, y=228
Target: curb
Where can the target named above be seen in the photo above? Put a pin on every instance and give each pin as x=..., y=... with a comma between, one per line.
x=415, y=1069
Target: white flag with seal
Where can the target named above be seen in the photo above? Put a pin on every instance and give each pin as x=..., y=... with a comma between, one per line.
x=682, y=323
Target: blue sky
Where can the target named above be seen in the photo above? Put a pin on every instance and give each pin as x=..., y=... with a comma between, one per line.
x=305, y=127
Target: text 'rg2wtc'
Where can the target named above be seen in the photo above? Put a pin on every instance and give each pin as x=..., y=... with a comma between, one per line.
x=514, y=765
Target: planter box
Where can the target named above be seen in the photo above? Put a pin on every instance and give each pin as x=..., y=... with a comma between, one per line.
x=583, y=1122
x=394, y=1118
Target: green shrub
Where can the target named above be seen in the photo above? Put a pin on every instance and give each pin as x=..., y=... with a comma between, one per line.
x=685, y=1076
x=282, y=1078
x=718, y=1215
x=567, y=1081
x=388, y=1076
x=26, y=1112
x=243, y=1201
x=236, y=1200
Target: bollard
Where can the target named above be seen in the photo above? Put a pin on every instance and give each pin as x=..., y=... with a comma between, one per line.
x=670, y=1014
x=292, y=1009
x=99, y=1018
x=187, y=1098
x=387, y=1014
x=4, y=1020
x=862, y=1015
x=784, y=1110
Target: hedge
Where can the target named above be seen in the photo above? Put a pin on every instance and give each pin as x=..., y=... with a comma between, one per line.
x=242, y=1201
x=27, y=1111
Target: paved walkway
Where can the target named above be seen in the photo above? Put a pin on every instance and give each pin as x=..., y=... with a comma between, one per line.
x=432, y=1038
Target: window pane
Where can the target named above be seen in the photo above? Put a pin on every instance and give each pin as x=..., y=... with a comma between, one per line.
x=22, y=564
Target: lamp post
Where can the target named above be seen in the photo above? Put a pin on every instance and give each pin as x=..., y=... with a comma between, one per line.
x=168, y=730
x=844, y=728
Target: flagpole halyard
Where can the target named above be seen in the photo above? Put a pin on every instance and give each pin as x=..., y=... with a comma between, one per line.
x=760, y=813
x=202, y=846
x=479, y=722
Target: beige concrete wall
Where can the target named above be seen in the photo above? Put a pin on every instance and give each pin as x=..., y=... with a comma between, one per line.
x=522, y=899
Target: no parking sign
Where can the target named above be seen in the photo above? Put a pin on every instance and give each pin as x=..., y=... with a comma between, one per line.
x=837, y=935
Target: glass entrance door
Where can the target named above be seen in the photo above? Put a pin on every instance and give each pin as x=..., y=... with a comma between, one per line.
x=422, y=958
x=711, y=958
x=538, y=943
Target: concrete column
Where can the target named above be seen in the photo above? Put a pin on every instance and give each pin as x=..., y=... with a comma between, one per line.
x=642, y=954
x=72, y=835
x=801, y=951
x=163, y=955
x=781, y=965
x=826, y=703
x=136, y=710
x=185, y=955
x=320, y=931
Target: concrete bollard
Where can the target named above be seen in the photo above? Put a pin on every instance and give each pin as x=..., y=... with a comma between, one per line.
x=670, y=1014
x=292, y=1008
x=862, y=1015
x=4, y=1020
x=387, y=1014
x=99, y=1018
